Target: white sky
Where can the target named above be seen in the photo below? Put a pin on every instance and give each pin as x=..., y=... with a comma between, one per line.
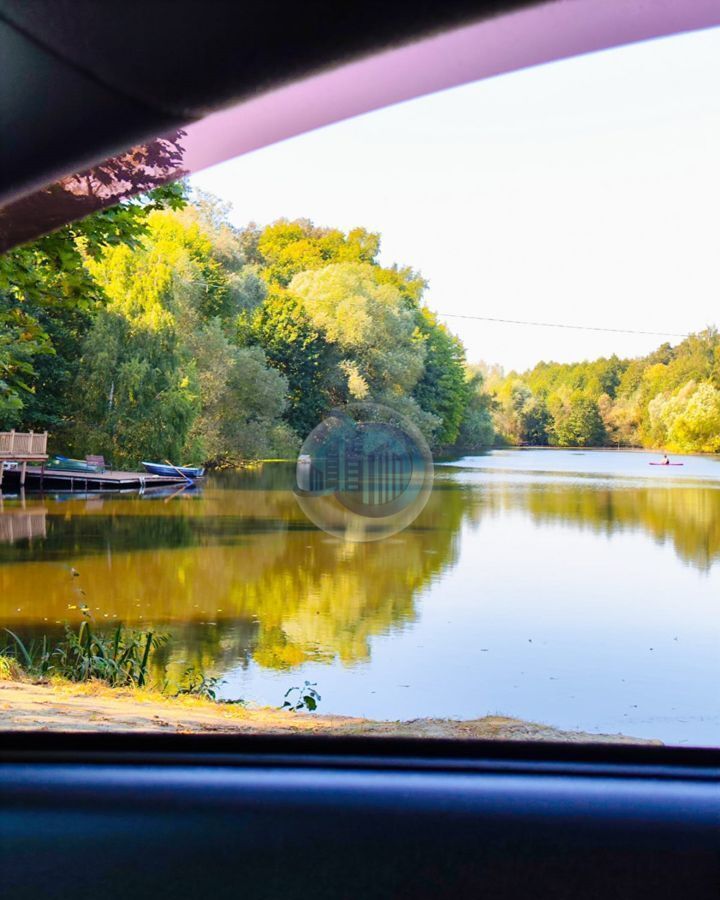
x=585, y=191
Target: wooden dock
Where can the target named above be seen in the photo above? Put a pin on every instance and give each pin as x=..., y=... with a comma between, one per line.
x=39, y=478
x=23, y=448
x=26, y=455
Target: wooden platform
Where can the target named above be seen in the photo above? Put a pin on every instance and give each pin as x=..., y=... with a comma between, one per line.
x=37, y=478
x=26, y=453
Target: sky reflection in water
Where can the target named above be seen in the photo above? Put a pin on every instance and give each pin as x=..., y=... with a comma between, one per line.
x=577, y=589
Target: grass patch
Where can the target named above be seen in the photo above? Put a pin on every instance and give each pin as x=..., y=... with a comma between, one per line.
x=118, y=659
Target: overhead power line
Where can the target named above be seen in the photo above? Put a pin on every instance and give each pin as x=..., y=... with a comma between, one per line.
x=563, y=325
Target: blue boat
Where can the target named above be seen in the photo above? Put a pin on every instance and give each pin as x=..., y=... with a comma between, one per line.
x=189, y=472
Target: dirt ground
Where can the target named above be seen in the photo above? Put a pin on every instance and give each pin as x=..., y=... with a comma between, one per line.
x=25, y=706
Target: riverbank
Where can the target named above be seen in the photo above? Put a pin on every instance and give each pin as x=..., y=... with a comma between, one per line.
x=601, y=448
x=93, y=707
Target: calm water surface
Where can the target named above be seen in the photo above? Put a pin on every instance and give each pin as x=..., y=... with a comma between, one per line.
x=579, y=589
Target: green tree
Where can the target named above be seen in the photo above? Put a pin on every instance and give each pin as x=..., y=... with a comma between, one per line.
x=288, y=248
x=369, y=323
x=241, y=401
x=698, y=425
x=137, y=383
x=298, y=350
x=135, y=397
x=47, y=297
x=476, y=428
x=687, y=419
x=22, y=340
x=577, y=422
x=520, y=416
x=443, y=388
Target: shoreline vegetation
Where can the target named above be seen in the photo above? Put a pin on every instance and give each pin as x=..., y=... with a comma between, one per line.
x=159, y=330
x=94, y=681
x=605, y=448
x=668, y=400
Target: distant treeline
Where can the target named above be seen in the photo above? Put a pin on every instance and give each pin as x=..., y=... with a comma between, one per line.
x=668, y=399
x=158, y=330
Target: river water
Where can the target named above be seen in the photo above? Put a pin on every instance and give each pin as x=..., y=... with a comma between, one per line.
x=576, y=589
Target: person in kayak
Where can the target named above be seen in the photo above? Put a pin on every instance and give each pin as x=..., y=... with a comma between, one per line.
x=665, y=460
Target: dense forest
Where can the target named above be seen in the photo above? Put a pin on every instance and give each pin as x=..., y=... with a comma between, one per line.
x=669, y=399
x=158, y=330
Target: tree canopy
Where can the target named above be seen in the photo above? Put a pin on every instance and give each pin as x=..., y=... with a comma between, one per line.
x=159, y=330
x=47, y=300
x=156, y=328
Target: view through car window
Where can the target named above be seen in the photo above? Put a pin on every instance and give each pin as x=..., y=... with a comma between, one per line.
x=406, y=426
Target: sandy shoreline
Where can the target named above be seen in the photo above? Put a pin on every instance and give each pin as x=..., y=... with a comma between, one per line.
x=26, y=706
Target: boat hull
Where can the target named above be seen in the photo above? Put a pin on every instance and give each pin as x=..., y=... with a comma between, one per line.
x=190, y=472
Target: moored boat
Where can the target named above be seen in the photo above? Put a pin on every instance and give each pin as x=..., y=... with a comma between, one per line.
x=190, y=472
x=65, y=464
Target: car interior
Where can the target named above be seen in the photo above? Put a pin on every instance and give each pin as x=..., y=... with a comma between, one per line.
x=110, y=815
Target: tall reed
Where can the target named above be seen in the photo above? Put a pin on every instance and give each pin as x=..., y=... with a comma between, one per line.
x=117, y=659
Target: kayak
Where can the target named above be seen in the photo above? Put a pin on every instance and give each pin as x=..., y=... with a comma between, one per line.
x=190, y=472
x=665, y=465
x=64, y=464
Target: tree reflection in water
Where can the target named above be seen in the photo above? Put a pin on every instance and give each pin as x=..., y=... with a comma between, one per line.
x=237, y=573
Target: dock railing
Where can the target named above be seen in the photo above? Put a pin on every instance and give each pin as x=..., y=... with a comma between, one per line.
x=19, y=445
x=22, y=447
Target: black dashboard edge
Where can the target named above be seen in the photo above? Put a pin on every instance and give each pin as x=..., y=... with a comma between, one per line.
x=629, y=760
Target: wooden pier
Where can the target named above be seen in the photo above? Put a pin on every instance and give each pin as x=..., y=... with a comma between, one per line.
x=20, y=447
x=28, y=454
x=38, y=478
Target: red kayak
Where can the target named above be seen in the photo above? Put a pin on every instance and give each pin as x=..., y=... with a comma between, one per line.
x=666, y=464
